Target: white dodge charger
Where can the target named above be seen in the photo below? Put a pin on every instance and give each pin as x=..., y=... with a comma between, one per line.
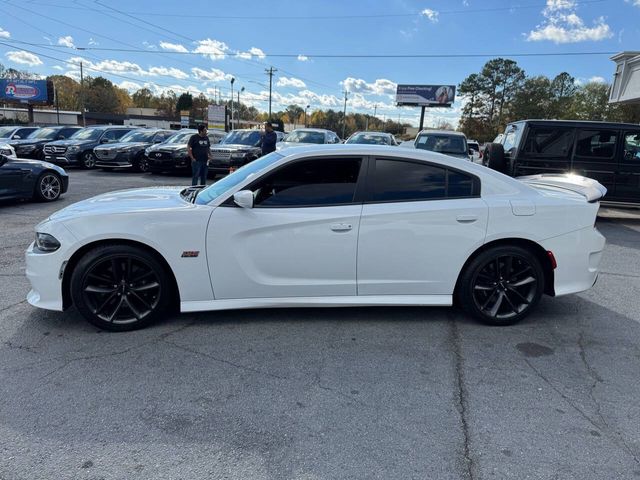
x=323, y=226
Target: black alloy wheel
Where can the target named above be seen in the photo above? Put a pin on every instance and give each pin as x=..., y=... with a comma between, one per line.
x=120, y=287
x=502, y=285
x=48, y=187
x=88, y=160
x=142, y=164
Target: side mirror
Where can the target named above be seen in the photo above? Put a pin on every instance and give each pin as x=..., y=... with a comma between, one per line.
x=16, y=137
x=60, y=137
x=243, y=198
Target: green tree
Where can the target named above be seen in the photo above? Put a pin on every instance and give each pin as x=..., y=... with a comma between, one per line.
x=185, y=102
x=100, y=95
x=68, y=92
x=293, y=113
x=144, y=98
x=562, y=89
x=533, y=100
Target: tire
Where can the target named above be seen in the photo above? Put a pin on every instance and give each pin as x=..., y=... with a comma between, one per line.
x=88, y=160
x=142, y=164
x=494, y=157
x=501, y=285
x=48, y=187
x=141, y=293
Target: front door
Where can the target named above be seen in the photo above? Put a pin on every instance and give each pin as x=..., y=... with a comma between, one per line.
x=628, y=175
x=299, y=240
x=419, y=225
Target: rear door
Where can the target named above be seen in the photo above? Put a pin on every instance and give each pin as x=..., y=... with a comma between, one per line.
x=628, y=174
x=419, y=225
x=595, y=156
x=546, y=149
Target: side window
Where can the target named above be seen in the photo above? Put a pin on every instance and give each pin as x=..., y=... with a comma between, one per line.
x=552, y=141
x=596, y=143
x=309, y=183
x=401, y=181
x=66, y=132
x=109, y=135
x=632, y=146
x=119, y=133
x=162, y=136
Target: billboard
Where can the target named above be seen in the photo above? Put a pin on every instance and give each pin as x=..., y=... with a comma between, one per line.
x=24, y=91
x=425, y=95
x=216, y=116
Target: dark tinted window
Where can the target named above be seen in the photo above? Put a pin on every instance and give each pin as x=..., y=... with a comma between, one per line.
x=310, y=183
x=632, y=146
x=596, y=144
x=549, y=141
x=395, y=180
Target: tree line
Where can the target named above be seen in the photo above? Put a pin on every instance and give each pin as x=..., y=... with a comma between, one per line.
x=502, y=92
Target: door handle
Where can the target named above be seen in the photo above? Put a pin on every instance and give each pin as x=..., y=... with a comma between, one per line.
x=466, y=218
x=341, y=227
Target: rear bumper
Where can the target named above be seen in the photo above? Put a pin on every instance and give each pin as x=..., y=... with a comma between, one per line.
x=578, y=255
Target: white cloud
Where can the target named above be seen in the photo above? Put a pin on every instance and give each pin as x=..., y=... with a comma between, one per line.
x=213, y=75
x=253, y=52
x=563, y=25
x=432, y=15
x=214, y=49
x=381, y=86
x=4, y=33
x=290, y=82
x=130, y=86
x=597, y=79
x=24, y=58
x=58, y=67
x=173, y=47
x=66, y=41
x=169, y=72
x=303, y=58
x=635, y=3
x=150, y=46
x=92, y=42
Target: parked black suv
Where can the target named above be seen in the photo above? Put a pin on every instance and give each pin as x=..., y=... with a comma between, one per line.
x=238, y=148
x=31, y=147
x=172, y=155
x=78, y=150
x=128, y=152
x=608, y=152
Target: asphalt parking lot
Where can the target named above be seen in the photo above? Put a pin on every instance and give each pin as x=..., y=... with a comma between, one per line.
x=389, y=393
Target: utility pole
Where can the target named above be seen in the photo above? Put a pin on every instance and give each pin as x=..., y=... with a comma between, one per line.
x=344, y=114
x=239, y=90
x=84, y=121
x=270, y=73
x=232, y=80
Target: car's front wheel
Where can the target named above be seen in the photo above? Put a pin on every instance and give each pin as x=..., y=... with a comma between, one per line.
x=48, y=187
x=88, y=160
x=142, y=164
x=502, y=285
x=120, y=287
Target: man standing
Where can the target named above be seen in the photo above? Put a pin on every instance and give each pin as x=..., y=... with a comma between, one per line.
x=199, y=153
x=269, y=139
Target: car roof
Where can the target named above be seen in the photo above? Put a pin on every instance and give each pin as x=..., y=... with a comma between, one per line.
x=367, y=132
x=576, y=123
x=440, y=132
x=320, y=130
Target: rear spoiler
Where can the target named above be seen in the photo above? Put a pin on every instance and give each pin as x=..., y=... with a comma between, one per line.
x=589, y=188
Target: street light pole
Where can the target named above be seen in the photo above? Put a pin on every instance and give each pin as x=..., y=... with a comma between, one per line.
x=344, y=114
x=232, y=80
x=305, y=116
x=240, y=90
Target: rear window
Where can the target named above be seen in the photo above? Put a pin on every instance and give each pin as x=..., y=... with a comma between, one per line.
x=441, y=143
x=549, y=141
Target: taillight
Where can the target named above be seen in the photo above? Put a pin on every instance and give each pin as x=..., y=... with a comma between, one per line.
x=552, y=259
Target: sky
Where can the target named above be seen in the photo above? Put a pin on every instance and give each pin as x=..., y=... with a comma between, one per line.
x=318, y=49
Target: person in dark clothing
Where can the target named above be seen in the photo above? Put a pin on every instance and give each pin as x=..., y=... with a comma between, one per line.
x=199, y=153
x=269, y=139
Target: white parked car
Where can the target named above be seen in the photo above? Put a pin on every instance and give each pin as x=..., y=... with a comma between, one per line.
x=308, y=136
x=342, y=225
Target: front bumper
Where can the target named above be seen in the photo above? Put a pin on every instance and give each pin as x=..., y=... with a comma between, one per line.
x=182, y=162
x=578, y=255
x=63, y=159
x=121, y=160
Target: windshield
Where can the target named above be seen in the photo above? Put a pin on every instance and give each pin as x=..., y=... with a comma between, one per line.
x=137, y=136
x=87, y=134
x=302, y=136
x=442, y=143
x=369, y=139
x=242, y=138
x=227, y=183
x=182, y=137
x=45, y=134
x=6, y=131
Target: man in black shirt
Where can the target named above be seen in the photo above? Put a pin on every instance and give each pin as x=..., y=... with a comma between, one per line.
x=269, y=139
x=199, y=153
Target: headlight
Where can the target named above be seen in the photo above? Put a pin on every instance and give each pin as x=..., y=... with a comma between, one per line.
x=126, y=149
x=146, y=152
x=46, y=242
x=74, y=148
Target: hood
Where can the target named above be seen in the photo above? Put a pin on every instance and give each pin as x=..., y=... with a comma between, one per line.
x=38, y=163
x=283, y=145
x=589, y=188
x=234, y=147
x=126, y=201
x=27, y=141
x=168, y=147
x=115, y=146
x=69, y=141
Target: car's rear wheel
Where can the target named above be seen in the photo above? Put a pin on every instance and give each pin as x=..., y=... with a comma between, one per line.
x=142, y=164
x=502, y=285
x=48, y=187
x=494, y=157
x=120, y=287
x=88, y=160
